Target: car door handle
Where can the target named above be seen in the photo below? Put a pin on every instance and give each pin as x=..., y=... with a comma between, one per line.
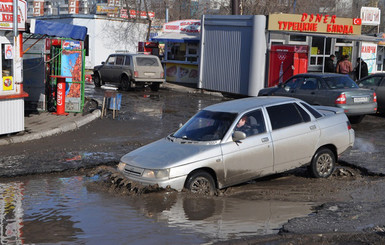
x=312, y=127
x=312, y=93
x=265, y=139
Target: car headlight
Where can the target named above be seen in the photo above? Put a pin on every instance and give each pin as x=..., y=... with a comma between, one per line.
x=156, y=173
x=121, y=166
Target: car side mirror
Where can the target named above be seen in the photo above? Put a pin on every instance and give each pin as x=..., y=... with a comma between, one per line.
x=238, y=136
x=103, y=62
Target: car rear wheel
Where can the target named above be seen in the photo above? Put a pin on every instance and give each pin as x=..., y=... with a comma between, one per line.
x=322, y=164
x=201, y=182
x=125, y=83
x=97, y=80
x=155, y=87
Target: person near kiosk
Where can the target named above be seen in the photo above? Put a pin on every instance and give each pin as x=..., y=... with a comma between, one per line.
x=329, y=64
x=344, y=66
x=361, y=69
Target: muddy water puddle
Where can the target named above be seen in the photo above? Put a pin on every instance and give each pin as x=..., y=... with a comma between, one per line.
x=76, y=209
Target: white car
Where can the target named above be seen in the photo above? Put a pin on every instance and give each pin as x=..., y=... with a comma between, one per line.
x=210, y=152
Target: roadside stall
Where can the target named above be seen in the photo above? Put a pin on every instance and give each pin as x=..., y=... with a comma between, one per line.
x=11, y=90
x=239, y=55
x=181, y=51
x=62, y=62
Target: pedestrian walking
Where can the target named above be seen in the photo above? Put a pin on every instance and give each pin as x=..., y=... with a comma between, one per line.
x=361, y=69
x=344, y=66
x=329, y=64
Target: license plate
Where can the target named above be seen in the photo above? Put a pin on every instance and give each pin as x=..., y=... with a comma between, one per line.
x=360, y=99
x=149, y=74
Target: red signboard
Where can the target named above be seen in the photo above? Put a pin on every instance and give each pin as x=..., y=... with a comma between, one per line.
x=6, y=14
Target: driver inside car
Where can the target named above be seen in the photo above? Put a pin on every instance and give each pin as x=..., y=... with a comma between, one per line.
x=244, y=126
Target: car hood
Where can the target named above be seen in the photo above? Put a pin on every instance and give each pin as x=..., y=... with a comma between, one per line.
x=165, y=153
x=97, y=67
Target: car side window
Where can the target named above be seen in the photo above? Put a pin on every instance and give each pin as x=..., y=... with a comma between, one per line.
x=309, y=83
x=251, y=123
x=370, y=82
x=127, y=61
x=315, y=113
x=119, y=60
x=111, y=60
x=284, y=115
x=292, y=83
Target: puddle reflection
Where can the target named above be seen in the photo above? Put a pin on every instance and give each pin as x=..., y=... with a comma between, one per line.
x=52, y=209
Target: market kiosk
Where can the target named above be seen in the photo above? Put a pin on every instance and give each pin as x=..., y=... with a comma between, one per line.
x=181, y=52
x=11, y=89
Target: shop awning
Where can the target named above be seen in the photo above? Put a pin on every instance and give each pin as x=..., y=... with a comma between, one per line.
x=177, y=37
x=57, y=29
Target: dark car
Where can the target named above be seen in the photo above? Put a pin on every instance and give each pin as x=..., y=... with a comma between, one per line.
x=130, y=71
x=375, y=82
x=328, y=89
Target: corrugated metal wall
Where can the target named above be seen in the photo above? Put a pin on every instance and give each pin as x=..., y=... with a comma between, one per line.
x=12, y=116
x=222, y=65
x=231, y=56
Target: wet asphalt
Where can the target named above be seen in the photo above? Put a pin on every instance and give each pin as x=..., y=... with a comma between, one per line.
x=146, y=116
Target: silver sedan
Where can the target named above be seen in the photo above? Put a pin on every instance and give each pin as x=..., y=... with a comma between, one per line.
x=240, y=140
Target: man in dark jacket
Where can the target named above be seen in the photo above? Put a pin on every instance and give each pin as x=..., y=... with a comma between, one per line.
x=361, y=69
x=329, y=64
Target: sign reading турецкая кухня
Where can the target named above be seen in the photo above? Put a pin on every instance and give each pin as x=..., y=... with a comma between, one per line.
x=320, y=23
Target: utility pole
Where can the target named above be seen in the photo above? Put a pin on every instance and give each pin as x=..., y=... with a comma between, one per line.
x=235, y=7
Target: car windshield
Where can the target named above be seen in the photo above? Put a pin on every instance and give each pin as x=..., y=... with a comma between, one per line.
x=206, y=126
x=146, y=61
x=340, y=82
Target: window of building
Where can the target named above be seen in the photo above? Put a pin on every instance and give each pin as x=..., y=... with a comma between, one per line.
x=318, y=49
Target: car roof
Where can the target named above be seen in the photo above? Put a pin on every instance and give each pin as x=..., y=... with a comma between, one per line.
x=136, y=55
x=321, y=75
x=242, y=105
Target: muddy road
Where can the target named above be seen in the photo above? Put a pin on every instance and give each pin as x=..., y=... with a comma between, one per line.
x=348, y=207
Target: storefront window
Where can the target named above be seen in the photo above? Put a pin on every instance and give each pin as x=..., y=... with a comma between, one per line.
x=6, y=59
x=318, y=49
x=183, y=52
x=176, y=51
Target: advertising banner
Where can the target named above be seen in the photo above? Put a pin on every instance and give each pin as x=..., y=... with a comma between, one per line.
x=319, y=23
x=369, y=54
x=71, y=67
x=370, y=16
x=182, y=73
x=6, y=15
x=183, y=26
x=7, y=83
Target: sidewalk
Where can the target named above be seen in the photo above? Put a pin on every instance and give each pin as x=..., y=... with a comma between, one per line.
x=46, y=124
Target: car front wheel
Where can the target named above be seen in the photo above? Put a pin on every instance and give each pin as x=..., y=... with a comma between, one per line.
x=201, y=182
x=322, y=164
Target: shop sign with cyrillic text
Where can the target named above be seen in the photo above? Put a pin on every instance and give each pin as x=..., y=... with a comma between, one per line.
x=319, y=23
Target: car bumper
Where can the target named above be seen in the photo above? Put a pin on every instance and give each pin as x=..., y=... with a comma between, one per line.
x=149, y=80
x=360, y=109
x=174, y=183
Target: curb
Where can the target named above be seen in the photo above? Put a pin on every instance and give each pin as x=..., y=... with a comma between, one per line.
x=58, y=130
